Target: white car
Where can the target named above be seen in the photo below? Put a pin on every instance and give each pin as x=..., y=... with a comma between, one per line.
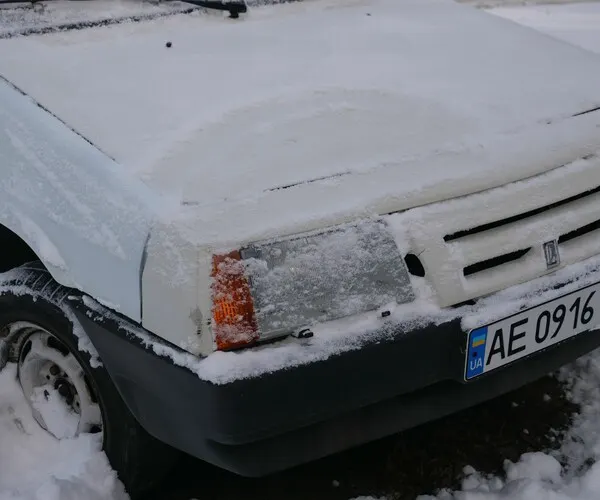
x=266, y=239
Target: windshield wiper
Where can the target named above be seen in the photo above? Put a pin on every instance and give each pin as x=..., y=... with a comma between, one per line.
x=234, y=7
x=33, y=25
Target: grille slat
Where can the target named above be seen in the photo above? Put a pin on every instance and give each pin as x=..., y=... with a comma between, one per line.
x=516, y=218
x=577, y=233
x=484, y=265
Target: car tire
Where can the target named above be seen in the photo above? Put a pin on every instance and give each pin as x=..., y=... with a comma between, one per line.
x=36, y=322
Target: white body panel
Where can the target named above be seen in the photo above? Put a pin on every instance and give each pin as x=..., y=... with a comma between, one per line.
x=84, y=218
x=299, y=117
x=445, y=261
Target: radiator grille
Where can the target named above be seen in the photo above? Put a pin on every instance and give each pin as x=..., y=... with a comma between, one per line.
x=478, y=244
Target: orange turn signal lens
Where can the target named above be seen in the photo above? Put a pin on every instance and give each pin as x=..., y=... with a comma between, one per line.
x=234, y=322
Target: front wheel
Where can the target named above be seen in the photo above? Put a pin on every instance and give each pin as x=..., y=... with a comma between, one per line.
x=60, y=393
x=68, y=393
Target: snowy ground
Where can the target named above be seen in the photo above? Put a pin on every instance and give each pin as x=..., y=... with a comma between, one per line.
x=570, y=473
x=34, y=466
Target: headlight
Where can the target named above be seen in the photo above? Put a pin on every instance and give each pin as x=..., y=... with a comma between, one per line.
x=314, y=278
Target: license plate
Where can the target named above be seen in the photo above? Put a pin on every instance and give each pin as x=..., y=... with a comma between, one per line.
x=497, y=344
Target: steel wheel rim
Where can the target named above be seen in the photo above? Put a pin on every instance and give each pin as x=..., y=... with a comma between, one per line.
x=48, y=371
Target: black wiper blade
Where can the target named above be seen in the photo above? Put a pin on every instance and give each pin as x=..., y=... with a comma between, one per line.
x=25, y=19
x=234, y=7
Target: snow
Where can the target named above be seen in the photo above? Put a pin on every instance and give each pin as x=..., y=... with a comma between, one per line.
x=264, y=106
x=60, y=13
x=570, y=473
x=388, y=188
x=36, y=466
x=334, y=268
x=343, y=335
x=54, y=195
x=574, y=23
x=60, y=420
x=13, y=283
x=348, y=334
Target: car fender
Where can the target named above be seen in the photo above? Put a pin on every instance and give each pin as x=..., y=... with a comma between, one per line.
x=83, y=215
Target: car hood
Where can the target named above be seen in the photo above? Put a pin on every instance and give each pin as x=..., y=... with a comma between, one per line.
x=319, y=108
x=392, y=187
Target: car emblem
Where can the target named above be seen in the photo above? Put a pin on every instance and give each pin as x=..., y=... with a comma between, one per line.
x=552, y=254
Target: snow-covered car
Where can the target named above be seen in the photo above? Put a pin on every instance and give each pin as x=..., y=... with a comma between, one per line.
x=268, y=239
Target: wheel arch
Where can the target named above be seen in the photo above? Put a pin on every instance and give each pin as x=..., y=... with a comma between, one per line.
x=16, y=251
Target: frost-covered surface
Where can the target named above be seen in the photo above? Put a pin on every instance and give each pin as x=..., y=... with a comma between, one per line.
x=431, y=115
x=317, y=278
x=348, y=334
x=36, y=466
x=336, y=337
x=269, y=132
x=21, y=18
x=577, y=24
x=71, y=203
x=492, y=4
x=39, y=240
x=572, y=472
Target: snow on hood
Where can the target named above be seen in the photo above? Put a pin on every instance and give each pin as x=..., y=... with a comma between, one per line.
x=410, y=100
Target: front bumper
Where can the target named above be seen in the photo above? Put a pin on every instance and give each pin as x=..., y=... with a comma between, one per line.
x=256, y=426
